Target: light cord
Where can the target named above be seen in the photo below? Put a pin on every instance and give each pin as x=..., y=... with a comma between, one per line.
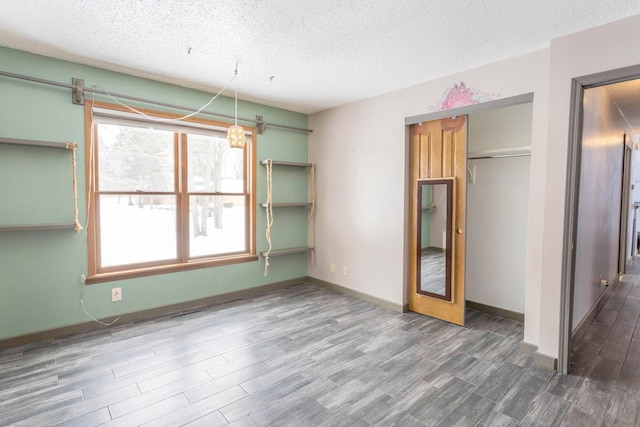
x=91, y=185
x=167, y=120
x=77, y=225
x=235, y=76
x=96, y=320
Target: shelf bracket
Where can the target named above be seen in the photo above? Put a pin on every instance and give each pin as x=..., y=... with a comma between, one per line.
x=260, y=125
x=77, y=93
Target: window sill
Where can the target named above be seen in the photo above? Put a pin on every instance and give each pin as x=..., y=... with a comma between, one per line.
x=171, y=268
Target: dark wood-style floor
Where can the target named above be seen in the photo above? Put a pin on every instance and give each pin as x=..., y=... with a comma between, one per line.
x=306, y=356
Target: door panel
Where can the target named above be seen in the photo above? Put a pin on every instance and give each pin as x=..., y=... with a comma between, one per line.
x=435, y=149
x=438, y=151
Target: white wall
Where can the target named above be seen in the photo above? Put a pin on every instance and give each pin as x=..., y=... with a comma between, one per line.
x=598, y=229
x=497, y=209
x=635, y=194
x=361, y=152
x=599, y=49
x=500, y=128
x=632, y=139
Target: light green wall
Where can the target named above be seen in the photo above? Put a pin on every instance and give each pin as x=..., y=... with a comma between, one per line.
x=40, y=271
x=35, y=185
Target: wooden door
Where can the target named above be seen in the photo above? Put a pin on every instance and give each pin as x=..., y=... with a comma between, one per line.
x=438, y=157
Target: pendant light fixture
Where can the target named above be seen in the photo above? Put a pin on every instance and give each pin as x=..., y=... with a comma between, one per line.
x=235, y=134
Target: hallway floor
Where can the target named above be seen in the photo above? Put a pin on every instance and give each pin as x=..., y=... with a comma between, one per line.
x=605, y=367
x=307, y=356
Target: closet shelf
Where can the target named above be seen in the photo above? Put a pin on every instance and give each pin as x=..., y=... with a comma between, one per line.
x=32, y=142
x=285, y=205
x=281, y=163
x=36, y=227
x=288, y=251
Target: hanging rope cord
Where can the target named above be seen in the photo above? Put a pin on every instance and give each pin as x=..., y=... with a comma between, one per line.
x=312, y=210
x=76, y=223
x=269, y=213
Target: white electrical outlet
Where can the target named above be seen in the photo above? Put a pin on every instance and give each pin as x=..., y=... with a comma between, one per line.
x=345, y=271
x=332, y=268
x=116, y=294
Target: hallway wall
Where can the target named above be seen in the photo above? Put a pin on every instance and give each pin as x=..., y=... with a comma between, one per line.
x=598, y=231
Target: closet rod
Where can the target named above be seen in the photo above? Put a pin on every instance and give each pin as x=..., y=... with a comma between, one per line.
x=500, y=156
x=500, y=153
x=82, y=88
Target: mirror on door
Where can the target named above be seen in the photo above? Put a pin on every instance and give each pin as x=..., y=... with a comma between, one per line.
x=435, y=211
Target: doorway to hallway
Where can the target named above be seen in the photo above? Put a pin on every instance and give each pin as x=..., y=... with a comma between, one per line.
x=600, y=196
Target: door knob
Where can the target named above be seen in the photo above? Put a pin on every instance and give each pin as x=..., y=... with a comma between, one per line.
x=459, y=230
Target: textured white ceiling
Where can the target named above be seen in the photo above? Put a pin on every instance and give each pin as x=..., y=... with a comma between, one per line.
x=302, y=55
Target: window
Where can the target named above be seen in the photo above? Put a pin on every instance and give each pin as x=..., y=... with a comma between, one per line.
x=165, y=195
